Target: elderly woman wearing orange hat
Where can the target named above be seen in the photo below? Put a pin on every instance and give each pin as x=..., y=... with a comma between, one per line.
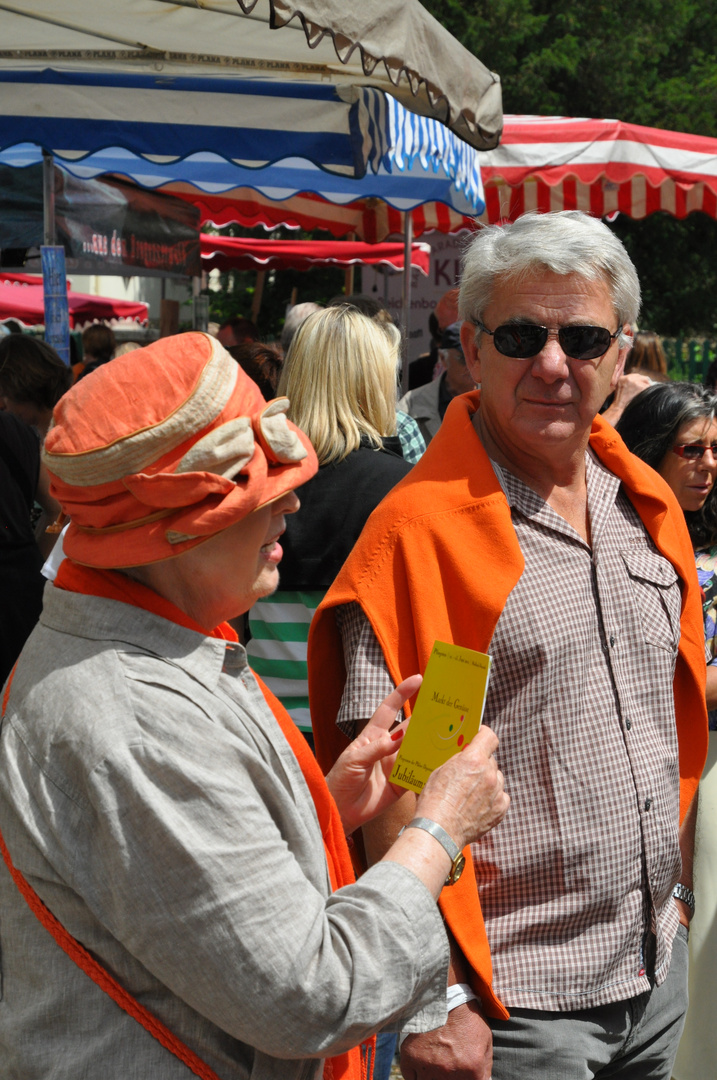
x=177, y=893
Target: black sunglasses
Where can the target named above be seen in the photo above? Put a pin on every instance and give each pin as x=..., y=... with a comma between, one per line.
x=694, y=451
x=521, y=340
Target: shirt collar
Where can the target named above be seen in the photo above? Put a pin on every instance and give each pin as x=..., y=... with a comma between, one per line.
x=119, y=624
x=602, y=490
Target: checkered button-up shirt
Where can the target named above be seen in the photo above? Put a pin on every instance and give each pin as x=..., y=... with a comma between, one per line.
x=576, y=882
x=413, y=445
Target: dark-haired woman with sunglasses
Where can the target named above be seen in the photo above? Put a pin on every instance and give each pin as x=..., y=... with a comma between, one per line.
x=672, y=427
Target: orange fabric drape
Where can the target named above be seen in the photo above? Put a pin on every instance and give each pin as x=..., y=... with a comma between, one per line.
x=115, y=586
x=101, y=977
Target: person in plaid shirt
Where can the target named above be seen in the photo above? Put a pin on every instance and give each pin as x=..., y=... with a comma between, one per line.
x=528, y=531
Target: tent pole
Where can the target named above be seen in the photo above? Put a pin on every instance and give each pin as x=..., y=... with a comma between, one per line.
x=349, y=273
x=48, y=198
x=258, y=294
x=406, y=301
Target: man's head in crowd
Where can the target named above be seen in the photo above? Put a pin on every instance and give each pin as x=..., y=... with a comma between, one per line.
x=547, y=303
x=295, y=316
x=98, y=344
x=236, y=331
x=33, y=378
x=458, y=378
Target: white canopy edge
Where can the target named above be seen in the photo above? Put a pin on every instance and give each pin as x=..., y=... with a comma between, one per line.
x=429, y=71
x=394, y=45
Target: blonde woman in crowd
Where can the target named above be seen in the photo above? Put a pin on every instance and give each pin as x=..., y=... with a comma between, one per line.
x=340, y=377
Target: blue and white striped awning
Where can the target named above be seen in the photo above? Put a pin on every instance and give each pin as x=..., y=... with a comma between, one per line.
x=163, y=119
x=278, y=138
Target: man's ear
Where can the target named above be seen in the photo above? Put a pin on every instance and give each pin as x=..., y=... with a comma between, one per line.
x=470, y=351
x=622, y=357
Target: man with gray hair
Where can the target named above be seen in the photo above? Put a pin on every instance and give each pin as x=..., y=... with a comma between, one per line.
x=295, y=316
x=528, y=531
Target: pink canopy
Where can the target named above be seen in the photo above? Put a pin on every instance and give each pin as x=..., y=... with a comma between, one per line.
x=553, y=163
x=237, y=253
x=21, y=298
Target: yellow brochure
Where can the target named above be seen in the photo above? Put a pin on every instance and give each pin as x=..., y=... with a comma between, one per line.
x=448, y=712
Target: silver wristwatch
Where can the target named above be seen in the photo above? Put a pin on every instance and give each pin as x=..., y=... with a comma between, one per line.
x=681, y=892
x=449, y=846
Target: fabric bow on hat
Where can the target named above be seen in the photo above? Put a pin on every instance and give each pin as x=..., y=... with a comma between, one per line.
x=179, y=431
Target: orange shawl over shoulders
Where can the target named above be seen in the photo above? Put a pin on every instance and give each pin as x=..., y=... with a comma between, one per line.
x=438, y=559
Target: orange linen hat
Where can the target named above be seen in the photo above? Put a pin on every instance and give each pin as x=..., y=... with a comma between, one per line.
x=162, y=448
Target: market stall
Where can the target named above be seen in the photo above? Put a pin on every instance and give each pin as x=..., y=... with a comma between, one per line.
x=21, y=298
x=193, y=92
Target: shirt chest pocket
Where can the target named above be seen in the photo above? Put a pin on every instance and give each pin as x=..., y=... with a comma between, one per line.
x=658, y=599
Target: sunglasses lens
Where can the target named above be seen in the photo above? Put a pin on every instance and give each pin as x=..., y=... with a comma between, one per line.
x=519, y=340
x=693, y=452
x=584, y=342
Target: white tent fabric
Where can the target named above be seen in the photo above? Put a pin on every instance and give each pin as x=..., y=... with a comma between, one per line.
x=393, y=45
x=445, y=79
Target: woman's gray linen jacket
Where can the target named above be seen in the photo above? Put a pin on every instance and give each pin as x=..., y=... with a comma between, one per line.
x=148, y=795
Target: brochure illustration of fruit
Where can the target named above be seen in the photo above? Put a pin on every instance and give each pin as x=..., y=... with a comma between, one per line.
x=448, y=712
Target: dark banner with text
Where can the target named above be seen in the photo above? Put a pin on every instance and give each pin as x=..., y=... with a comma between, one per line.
x=106, y=226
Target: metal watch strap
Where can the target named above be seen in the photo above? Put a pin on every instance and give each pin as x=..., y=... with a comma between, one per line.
x=447, y=843
x=681, y=892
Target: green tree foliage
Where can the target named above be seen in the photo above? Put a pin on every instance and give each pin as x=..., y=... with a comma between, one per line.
x=651, y=62
x=678, y=272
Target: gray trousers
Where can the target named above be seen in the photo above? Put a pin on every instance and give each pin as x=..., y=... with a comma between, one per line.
x=634, y=1040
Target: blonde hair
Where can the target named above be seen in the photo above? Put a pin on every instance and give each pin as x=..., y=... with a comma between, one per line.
x=340, y=377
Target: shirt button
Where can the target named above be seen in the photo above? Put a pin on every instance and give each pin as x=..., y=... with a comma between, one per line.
x=612, y=641
x=628, y=724
x=648, y=803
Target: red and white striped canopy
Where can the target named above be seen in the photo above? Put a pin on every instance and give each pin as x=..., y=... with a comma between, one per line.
x=549, y=163
x=371, y=220
x=544, y=163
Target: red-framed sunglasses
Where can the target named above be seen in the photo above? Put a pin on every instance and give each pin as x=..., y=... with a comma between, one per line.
x=694, y=451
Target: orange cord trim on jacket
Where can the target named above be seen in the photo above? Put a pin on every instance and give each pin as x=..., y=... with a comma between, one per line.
x=94, y=970
x=357, y=1063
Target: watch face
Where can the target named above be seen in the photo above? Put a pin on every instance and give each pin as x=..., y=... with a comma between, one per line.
x=457, y=869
